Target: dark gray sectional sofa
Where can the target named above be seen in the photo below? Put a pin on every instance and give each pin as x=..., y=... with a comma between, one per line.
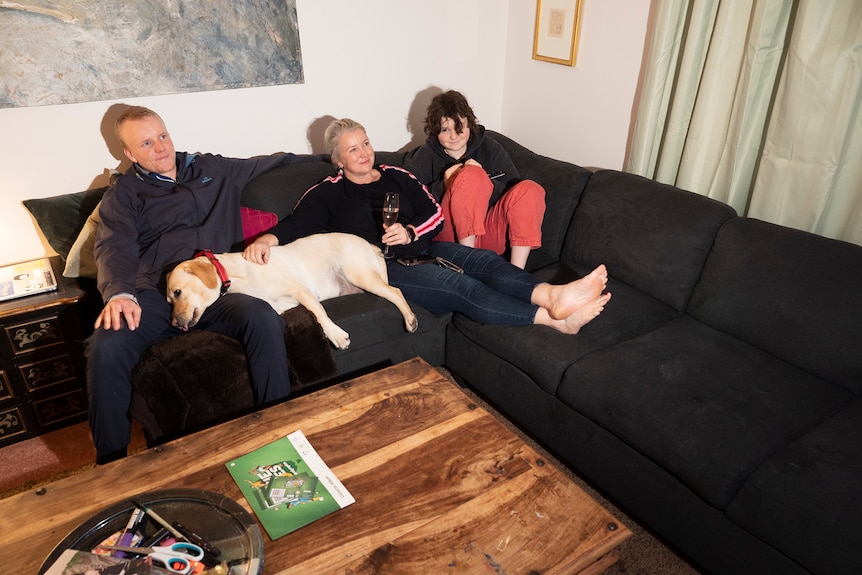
x=716, y=399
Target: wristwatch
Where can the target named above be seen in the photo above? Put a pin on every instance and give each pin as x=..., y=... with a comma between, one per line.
x=411, y=233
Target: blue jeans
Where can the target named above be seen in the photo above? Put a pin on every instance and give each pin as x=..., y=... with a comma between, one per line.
x=111, y=356
x=490, y=291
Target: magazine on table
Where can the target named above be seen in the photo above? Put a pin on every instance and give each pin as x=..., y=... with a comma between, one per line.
x=288, y=485
x=26, y=278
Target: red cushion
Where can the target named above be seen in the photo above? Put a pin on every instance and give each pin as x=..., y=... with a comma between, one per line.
x=255, y=222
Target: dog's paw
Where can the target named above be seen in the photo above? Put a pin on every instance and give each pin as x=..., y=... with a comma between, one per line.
x=411, y=323
x=339, y=338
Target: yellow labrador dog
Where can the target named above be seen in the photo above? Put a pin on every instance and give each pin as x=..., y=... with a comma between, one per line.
x=303, y=272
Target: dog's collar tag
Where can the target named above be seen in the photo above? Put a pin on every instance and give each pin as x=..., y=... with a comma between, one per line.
x=222, y=273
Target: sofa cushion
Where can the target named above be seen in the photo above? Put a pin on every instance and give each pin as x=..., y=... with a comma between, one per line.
x=81, y=259
x=790, y=293
x=652, y=236
x=255, y=222
x=545, y=354
x=563, y=183
x=62, y=217
x=699, y=403
x=804, y=500
x=279, y=189
x=378, y=335
x=390, y=158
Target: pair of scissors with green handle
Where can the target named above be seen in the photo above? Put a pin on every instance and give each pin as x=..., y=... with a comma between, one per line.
x=179, y=557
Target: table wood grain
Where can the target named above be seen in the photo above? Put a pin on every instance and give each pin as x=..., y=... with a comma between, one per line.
x=441, y=486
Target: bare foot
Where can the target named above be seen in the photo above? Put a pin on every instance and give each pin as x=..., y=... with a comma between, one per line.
x=573, y=324
x=585, y=314
x=562, y=301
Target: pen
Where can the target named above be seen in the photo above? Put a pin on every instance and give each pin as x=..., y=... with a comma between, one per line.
x=157, y=538
x=161, y=521
x=129, y=532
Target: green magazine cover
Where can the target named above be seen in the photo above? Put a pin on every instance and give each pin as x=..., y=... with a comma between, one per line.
x=288, y=485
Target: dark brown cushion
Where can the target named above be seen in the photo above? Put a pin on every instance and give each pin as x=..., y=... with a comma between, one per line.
x=200, y=378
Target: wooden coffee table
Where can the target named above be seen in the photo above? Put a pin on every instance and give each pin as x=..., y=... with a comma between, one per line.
x=441, y=486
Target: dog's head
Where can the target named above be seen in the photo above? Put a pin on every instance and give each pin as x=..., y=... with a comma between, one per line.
x=193, y=286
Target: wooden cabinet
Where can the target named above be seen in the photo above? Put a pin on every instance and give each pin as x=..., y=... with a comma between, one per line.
x=42, y=382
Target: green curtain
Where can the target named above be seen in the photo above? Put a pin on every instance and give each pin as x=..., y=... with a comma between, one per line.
x=757, y=104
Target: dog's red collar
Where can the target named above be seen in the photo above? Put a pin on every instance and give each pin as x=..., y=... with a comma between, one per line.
x=222, y=273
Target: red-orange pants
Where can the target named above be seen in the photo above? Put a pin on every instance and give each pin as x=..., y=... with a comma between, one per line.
x=516, y=218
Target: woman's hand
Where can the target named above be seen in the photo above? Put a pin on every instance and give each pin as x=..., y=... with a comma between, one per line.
x=396, y=235
x=452, y=170
x=258, y=251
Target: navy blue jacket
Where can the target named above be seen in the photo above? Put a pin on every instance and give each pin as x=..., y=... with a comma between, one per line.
x=150, y=223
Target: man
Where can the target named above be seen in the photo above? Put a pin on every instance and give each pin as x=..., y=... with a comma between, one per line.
x=165, y=207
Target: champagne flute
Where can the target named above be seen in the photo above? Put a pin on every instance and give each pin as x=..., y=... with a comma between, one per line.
x=390, y=215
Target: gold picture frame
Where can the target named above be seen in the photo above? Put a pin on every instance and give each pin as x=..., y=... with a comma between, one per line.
x=556, y=35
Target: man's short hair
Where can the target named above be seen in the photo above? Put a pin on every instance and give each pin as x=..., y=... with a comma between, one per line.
x=132, y=113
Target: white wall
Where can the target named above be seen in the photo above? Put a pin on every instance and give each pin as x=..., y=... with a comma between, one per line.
x=378, y=61
x=579, y=114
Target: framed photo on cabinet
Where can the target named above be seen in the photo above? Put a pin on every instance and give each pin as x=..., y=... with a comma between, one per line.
x=556, y=35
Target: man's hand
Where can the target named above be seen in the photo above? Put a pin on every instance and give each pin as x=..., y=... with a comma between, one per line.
x=258, y=252
x=117, y=310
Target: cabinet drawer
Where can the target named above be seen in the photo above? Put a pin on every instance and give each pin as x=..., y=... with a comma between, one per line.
x=34, y=334
x=11, y=424
x=60, y=408
x=6, y=390
x=47, y=372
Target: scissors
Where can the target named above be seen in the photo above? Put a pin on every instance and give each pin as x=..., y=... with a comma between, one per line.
x=179, y=557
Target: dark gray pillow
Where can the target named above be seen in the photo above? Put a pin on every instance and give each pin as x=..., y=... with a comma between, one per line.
x=61, y=218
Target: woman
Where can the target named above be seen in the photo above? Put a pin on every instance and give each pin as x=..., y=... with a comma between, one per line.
x=490, y=290
x=485, y=203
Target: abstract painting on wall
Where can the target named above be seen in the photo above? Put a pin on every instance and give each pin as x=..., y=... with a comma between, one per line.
x=67, y=51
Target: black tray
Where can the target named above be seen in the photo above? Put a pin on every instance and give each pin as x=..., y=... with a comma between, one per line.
x=219, y=520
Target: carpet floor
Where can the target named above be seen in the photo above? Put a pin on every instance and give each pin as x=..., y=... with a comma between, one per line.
x=52, y=456
x=31, y=463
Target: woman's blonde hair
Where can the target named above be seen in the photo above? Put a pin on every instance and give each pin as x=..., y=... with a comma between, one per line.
x=333, y=133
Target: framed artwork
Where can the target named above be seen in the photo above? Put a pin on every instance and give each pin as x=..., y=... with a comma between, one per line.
x=65, y=51
x=556, y=36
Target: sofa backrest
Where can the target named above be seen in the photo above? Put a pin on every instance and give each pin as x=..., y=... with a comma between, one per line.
x=563, y=183
x=652, y=236
x=278, y=190
x=792, y=294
